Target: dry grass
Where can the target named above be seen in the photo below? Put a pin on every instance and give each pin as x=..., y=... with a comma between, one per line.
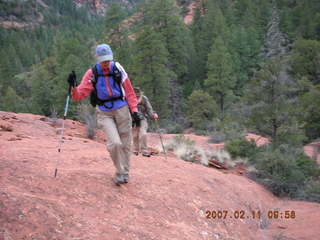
x=186, y=149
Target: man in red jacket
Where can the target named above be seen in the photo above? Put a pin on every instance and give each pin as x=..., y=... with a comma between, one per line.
x=116, y=98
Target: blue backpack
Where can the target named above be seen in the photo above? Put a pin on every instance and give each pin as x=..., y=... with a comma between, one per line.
x=99, y=96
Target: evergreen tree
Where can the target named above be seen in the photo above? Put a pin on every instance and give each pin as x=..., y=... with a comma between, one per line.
x=164, y=16
x=274, y=105
x=202, y=108
x=300, y=18
x=11, y=101
x=209, y=24
x=149, y=69
x=306, y=60
x=245, y=49
x=165, y=19
x=198, y=28
x=70, y=55
x=221, y=79
x=43, y=95
x=117, y=32
x=310, y=107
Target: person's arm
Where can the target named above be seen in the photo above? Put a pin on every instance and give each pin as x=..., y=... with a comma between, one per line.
x=128, y=90
x=130, y=95
x=85, y=88
x=148, y=107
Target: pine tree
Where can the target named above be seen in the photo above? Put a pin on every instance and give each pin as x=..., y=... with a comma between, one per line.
x=149, y=69
x=209, y=24
x=305, y=60
x=221, y=78
x=198, y=29
x=37, y=88
x=310, y=107
x=117, y=32
x=164, y=17
x=202, y=108
x=11, y=101
x=245, y=49
x=274, y=105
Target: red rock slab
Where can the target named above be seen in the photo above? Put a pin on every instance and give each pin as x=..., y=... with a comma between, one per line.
x=165, y=198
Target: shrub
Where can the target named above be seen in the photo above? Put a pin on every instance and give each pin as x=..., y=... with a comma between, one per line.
x=312, y=192
x=222, y=131
x=186, y=149
x=286, y=171
x=242, y=148
x=221, y=156
x=174, y=128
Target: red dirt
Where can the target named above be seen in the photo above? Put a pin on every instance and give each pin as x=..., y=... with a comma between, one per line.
x=165, y=199
x=313, y=150
x=189, y=17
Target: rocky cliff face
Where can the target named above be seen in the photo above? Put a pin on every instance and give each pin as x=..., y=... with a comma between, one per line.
x=165, y=199
x=29, y=13
x=100, y=6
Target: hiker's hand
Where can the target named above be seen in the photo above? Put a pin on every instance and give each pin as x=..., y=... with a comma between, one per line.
x=154, y=116
x=72, y=79
x=136, y=119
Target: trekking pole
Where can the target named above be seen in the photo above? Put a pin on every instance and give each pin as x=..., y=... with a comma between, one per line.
x=72, y=77
x=160, y=136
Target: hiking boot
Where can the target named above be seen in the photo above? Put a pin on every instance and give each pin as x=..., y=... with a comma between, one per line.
x=118, y=179
x=146, y=154
x=125, y=178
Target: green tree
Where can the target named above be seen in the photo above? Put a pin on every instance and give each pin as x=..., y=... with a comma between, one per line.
x=11, y=101
x=43, y=95
x=202, y=108
x=301, y=18
x=165, y=19
x=70, y=55
x=164, y=16
x=274, y=105
x=221, y=79
x=209, y=23
x=310, y=103
x=149, y=69
x=306, y=60
x=245, y=48
x=117, y=32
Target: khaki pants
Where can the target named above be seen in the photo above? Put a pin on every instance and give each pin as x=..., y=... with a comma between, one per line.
x=117, y=125
x=140, y=137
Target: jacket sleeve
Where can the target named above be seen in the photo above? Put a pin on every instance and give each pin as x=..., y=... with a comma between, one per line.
x=85, y=88
x=128, y=90
x=130, y=95
x=148, y=106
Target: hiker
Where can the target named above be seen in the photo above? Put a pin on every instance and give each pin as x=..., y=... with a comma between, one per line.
x=140, y=132
x=112, y=94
